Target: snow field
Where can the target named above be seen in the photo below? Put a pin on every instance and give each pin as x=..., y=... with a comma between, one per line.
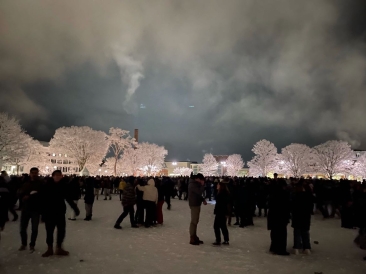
x=96, y=247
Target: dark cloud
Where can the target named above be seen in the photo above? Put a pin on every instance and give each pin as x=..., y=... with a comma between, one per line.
x=288, y=71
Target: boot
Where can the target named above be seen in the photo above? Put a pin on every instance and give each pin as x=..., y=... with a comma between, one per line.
x=193, y=241
x=117, y=226
x=307, y=252
x=225, y=243
x=61, y=252
x=87, y=218
x=49, y=252
x=22, y=248
x=110, y=197
x=296, y=251
x=31, y=249
x=216, y=243
x=198, y=240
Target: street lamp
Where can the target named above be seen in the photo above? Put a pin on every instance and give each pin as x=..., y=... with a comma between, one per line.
x=174, y=163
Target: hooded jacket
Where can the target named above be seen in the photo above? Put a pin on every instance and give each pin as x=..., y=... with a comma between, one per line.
x=150, y=191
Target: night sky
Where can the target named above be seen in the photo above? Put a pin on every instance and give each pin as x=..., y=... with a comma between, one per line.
x=287, y=71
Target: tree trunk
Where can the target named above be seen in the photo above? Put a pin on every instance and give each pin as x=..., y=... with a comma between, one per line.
x=115, y=167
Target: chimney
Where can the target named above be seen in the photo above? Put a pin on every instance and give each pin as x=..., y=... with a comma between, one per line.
x=136, y=135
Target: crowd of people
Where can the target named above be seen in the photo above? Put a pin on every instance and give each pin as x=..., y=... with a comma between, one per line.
x=281, y=200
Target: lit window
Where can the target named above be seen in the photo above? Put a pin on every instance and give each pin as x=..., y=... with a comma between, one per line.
x=60, y=155
x=65, y=155
x=53, y=154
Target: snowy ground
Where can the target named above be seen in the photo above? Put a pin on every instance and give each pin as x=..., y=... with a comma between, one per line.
x=95, y=247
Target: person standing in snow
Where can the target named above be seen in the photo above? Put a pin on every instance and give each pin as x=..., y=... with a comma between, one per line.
x=139, y=216
x=278, y=216
x=4, y=202
x=301, y=207
x=89, y=198
x=121, y=187
x=150, y=198
x=53, y=195
x=75, y=194
x=195, y=199
x=31, y=207
x=222, y=210
x=128, y=203
x=107, y=188
x=159, y=206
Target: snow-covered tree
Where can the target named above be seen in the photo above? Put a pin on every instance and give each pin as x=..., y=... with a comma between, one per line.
x=234, y=164
x=30, y=153
x=119, y=140
x=152, y=158
x=295, y=159
x=254, y=171
x=360, y=167
x=209, y=165
x=86, y=146
x=131, y=161
x=12, y=138
x=183, y=171
x=265, y=159
x=333, y=157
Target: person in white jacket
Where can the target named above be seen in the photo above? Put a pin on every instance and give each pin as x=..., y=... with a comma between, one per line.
x=150, y=198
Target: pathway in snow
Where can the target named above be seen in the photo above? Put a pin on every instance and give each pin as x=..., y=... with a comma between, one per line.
x=96, y=248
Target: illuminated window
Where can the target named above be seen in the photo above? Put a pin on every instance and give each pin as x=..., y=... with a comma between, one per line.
x=53, y=154
x=60, y=155
x=59, y=162
x=66, y=155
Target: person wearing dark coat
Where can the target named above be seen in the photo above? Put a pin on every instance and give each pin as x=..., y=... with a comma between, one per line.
x=140, y=211
x=167, y=187
x=13, y=186
x=159, y=206
x=301, y=208
x=246, y=204
x=128, y=203
x=4, y=202
x=278, y=216
x=75, y=194
x=222, y=210
x=89, y=198
x=262, y=199
x=347, y=206
x=236, y=201
x=53, y=195
x=31, y=207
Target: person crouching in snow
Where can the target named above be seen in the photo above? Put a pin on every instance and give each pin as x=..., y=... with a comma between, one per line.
x=222, y=210
x=150, y=198
x=53, y=196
